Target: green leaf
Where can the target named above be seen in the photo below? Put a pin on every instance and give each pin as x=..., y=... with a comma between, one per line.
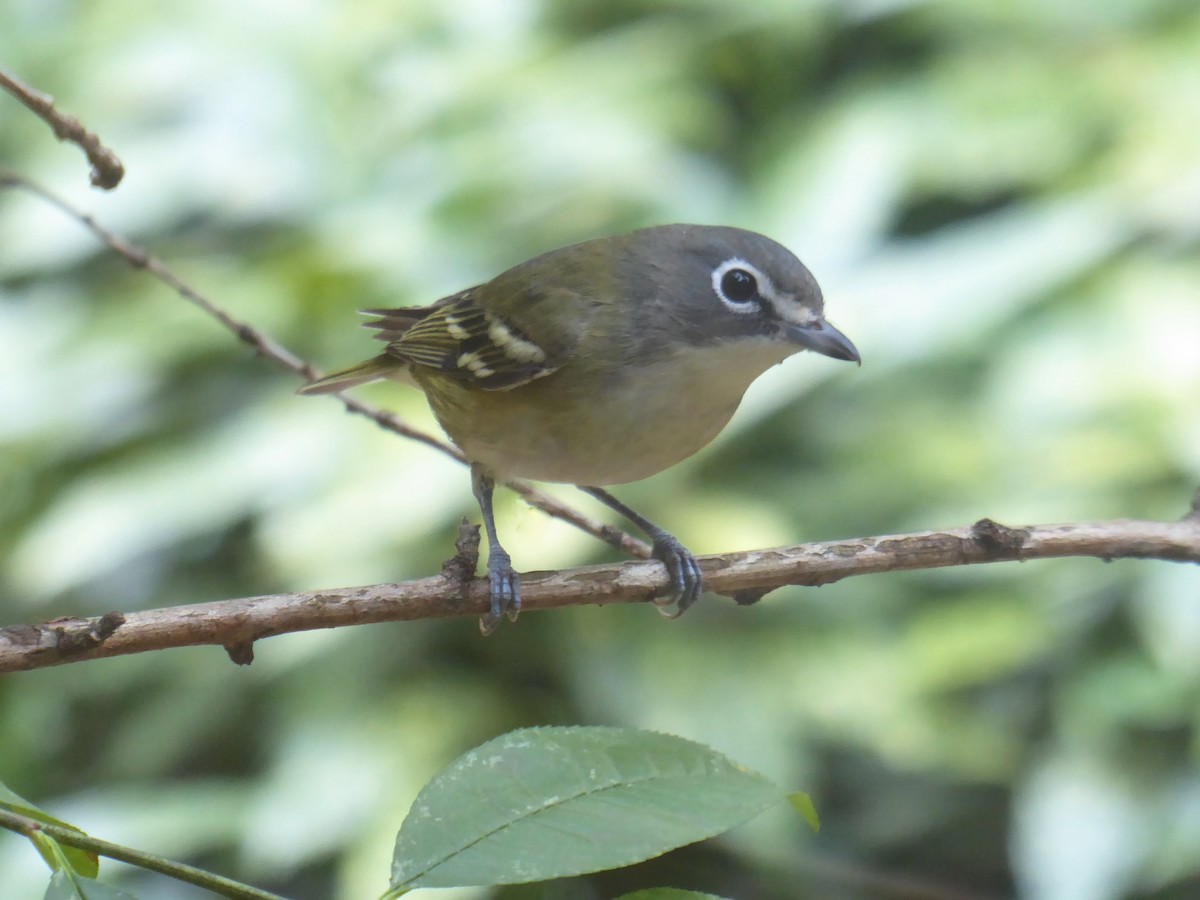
x=662, y=893
x=544, y=803
x=65, y=886
x=82, y=861
x=14, y=802
x=803, y=804
x=50, y=850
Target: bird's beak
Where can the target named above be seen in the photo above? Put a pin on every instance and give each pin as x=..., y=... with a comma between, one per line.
x=823, y=338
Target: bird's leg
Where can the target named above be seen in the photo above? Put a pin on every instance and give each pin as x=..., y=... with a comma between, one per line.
x=504, y=583
x=687, y=582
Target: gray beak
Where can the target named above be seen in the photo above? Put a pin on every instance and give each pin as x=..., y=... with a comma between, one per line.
x=823, y=338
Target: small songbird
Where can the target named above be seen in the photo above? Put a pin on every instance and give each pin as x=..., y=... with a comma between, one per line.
x=602, y=363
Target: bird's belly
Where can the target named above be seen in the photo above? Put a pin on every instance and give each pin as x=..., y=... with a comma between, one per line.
x=620, y=442
x=549, y=430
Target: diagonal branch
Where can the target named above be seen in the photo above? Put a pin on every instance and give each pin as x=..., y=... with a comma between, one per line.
x=73, y=837
x=272, y=350
x=237, y=624
x=107, y=169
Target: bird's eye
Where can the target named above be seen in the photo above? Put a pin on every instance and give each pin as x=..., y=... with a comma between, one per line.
x=738, y=286
x=742, y=287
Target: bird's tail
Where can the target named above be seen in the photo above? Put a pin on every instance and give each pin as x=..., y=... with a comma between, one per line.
x=382, y=366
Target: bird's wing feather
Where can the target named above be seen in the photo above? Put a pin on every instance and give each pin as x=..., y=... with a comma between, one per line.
x=463, y=341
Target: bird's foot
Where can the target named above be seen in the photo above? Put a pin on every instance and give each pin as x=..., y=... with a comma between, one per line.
x=505, y=587
x=687, y=581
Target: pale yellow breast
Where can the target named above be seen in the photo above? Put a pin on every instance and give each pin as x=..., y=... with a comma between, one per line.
x=560, y=428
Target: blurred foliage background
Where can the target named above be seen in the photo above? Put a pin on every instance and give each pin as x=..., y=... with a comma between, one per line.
x=1002, y=202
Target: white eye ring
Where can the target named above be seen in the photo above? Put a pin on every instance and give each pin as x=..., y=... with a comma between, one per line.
x=762, y=285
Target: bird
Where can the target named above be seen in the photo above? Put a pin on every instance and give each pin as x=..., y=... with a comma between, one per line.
x=601, y=363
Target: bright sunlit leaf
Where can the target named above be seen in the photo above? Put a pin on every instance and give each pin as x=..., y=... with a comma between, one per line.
x=803, y=804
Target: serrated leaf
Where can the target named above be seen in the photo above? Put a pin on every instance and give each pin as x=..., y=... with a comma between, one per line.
x=64, y=886
x=82, y=861
x=668, y=894
x=543, y=803
x=802, y=803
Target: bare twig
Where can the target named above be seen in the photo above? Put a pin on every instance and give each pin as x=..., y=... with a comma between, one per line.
x=107, y=169
x=238, y=623
x=73, y=837
x=283, y=357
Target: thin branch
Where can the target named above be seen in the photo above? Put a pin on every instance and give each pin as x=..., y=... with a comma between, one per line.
x=237, y=624
x=72, y=837
x=107, y=169
x=286, y=359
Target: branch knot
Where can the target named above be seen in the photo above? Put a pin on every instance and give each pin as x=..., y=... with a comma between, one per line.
x=998, y=540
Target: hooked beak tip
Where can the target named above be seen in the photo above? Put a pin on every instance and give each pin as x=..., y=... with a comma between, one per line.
x=823, y=338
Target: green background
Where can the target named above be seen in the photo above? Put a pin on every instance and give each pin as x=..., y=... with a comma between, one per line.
x=1002, y=203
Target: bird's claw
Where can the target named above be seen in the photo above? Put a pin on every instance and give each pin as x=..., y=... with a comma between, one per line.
x=505, y=588
x=687, y=581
